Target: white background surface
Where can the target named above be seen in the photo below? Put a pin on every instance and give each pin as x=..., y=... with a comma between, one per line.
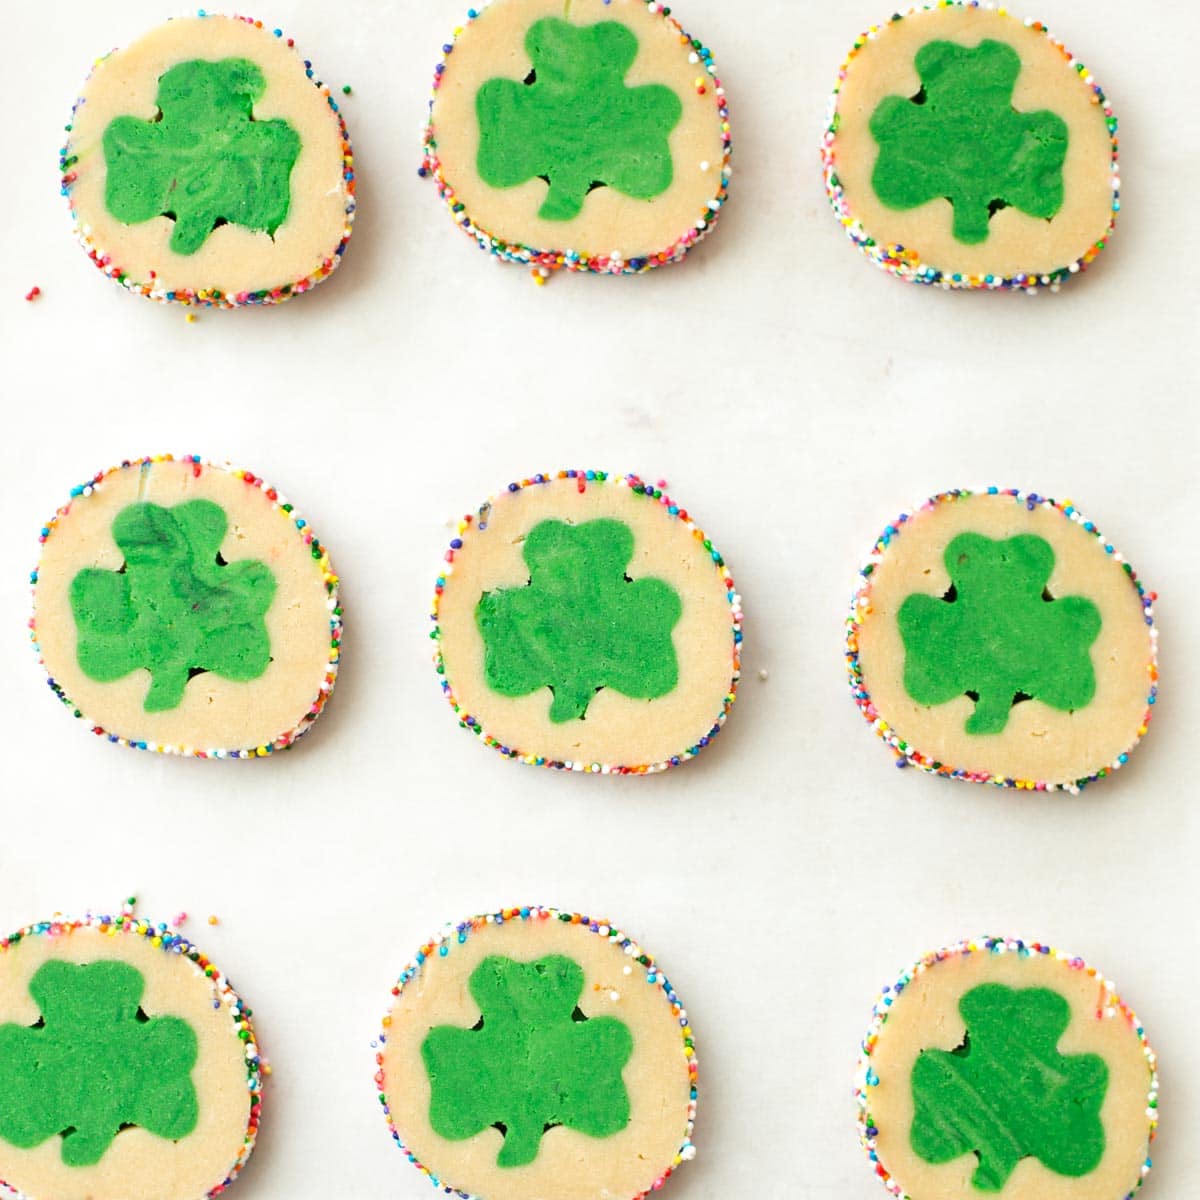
x=796, y=400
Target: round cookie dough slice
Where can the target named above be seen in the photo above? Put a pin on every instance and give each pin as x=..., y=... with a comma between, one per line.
x=591, y=135
x=997, y=637
x=128, y=1065
x=533, y=1052
x=1004, y=1068
x=584, y=622
x=185, y=607
x=205, y=164
x=969, y=149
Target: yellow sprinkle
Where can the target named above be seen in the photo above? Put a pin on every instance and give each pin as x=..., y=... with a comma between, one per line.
x=214, y=920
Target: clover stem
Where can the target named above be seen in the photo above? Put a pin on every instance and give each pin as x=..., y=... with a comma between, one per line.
x=971, y=217
x=564, y=200
x=521, y=1143
x=991, y=713
x=166, y=688
x=191, y=231
x=570, y=702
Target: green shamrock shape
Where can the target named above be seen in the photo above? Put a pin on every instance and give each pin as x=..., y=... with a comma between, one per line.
x=176, y=608
x=581, y=624
x=532, y=1061
x=94, y=1064
x=205, y=160
x=1007, y=1093
x=960, y=138
x=574, y=123
x=998, y=635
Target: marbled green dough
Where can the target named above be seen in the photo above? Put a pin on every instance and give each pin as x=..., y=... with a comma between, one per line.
x=961, y=139
x=533, y=1061
x=574, y=122
x=94, y=1064
x=581, y=624
x=1007, y=1093
x=173, y=609
x=205, y=160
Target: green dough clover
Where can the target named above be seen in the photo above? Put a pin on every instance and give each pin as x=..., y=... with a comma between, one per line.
x=582, y=624
x=574, y=123
x=1007, y=1093
x=533, y=1061
x=176, y=608
x=94, y=1064
x=205, y=160
x=960, y=138
x=998, y=635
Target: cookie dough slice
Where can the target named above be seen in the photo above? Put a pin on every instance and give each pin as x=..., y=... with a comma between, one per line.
x=584, y=622
x=1005, y=1068
x=534, y=1052
x=970, y=149
x=129, y=1068
x=205, y=164
x=187, y=608
x=591, y=135
x=997, y=637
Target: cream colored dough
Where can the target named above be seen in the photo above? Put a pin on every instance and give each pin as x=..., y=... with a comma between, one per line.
x=494, y=46
x=215, y=713
x=618, y=730
x=138, y=1165
x=569, y=1165
x=233, y=259
x=1039, y=742
x=1016, y=242
x=926, y=1016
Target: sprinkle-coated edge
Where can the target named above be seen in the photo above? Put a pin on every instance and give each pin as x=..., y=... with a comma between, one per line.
x=320, y=555
x=544, y=262
x=654, y=493
x=1109, y=1007
x=456, y=933
x=215, y=297
x=163, y=937
x=905, y=262
x=860, y=609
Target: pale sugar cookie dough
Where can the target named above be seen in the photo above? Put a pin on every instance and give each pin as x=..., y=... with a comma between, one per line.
x=206, y=164
x=129, y=1068
x=534, y=1052
x=997, y=637
x=187, y=608
x=584, y=622
x=1005, y=1068
x=591, y=135
x=969, y=149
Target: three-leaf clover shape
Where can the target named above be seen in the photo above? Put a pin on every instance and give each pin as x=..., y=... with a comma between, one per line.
x=205, y=160
x=998, y=635
x=961, y=139
x=574, y=123
x=533, y=1060
x=94, y=1064
x=175, y=608
x=581, y=624
x=1007, y=1093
